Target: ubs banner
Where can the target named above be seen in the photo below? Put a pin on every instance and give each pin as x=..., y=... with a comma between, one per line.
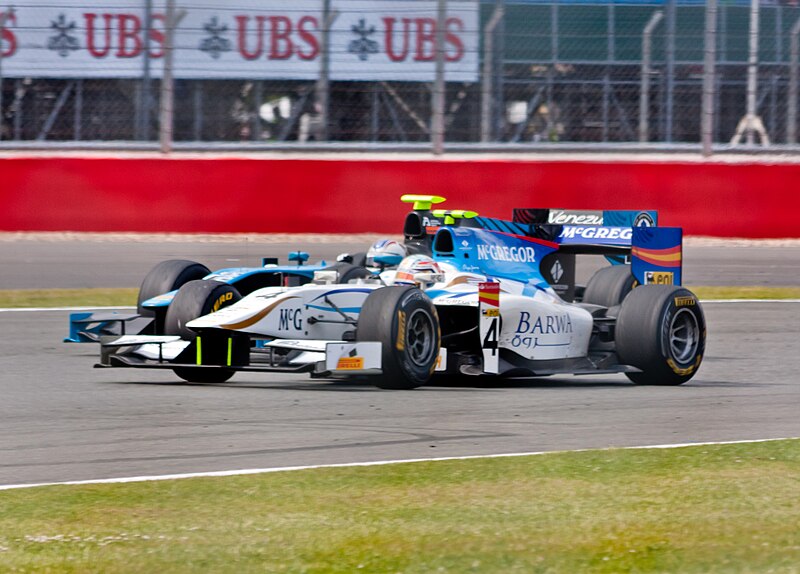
x=253, y=39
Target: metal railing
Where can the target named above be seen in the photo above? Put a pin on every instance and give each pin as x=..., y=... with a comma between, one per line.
x=437, y=74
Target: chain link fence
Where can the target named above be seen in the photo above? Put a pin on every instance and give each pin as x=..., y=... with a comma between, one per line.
x=302, y=72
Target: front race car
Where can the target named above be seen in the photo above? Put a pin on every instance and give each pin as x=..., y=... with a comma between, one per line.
x=478, y=305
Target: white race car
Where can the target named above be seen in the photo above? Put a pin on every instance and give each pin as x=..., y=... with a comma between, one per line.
x=490, y=298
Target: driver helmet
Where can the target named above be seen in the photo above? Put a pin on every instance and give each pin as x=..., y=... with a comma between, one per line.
x=385, y=247
x=419, y=270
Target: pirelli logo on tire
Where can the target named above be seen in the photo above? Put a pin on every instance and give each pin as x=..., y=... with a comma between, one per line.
x=685, y=301
x=401, y=330
x=224, y=298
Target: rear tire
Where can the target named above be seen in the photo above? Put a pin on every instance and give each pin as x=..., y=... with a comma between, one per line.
x=661, y=330
x=193, y=300
x=404, y=321
x=165, y=277
x=348, y=272
x=609, y=286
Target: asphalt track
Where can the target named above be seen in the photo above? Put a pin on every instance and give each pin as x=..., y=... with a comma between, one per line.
x=62, y=420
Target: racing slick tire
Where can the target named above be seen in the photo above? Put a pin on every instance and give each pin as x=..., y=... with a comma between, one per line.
x=165, y=277
x=195, y=299
x=405, y=322
x=661, y=330
x=348, y=272
x=609, y=286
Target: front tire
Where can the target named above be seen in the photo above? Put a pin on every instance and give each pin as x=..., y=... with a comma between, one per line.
x=193, y=300
x=165, y=277
x=661, y=330
x=404, y=321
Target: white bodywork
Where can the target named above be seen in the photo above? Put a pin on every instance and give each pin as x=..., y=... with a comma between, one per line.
x=536, y=324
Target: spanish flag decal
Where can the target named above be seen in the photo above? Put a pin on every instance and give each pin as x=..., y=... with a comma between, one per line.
x=489, y=294
x=670, y=257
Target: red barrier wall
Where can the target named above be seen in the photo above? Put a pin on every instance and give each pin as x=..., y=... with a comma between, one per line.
x=344, y=195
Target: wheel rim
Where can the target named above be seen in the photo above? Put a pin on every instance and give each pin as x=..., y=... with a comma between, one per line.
x=419, y=338
x=684, y=336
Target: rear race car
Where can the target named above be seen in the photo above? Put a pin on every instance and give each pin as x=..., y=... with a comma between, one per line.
x=475, y=300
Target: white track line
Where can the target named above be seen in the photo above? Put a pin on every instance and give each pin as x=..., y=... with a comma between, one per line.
x=42, y=309
x=220, y=473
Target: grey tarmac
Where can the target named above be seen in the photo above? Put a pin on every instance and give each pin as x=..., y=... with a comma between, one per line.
x=60, y=419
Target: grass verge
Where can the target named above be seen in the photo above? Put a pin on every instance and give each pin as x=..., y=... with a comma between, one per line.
x=746, y=292
x=726, y=508
x=17, y=298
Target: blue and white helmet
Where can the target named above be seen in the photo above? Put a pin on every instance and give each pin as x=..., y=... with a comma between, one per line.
x=388, y=249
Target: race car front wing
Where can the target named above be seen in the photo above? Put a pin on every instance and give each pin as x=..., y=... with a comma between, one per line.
x=234, y=352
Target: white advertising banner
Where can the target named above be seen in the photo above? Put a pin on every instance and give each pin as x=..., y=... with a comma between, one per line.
x=252, y=39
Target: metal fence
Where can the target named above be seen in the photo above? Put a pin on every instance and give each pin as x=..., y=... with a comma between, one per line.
x=483, y=74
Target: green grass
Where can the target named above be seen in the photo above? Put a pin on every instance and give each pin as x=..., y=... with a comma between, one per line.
x=728, y=508
x=746, y=292
x=16, y=298
x=126, y=297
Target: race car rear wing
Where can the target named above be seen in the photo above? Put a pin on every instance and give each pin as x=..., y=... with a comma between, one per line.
x=608, y=217
x=518, y=251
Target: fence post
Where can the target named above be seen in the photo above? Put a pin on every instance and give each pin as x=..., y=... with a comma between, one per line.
x=752, y=70
x=670, y=104
x=707, y=114
x=751, y=122
x=143, y=128
x=644, y=92
x=488, y=64
x=437, y=101
x=166, y=101
x=323, y=81
x=794, y=55
x=4, y=17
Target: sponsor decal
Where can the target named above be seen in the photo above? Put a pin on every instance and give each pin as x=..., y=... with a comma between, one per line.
x=643, y=219
x=401, y=331
x=544, y=324
x=350, y=364
x=441, y=360
x=685, y=301
x=465, y=244
x=491, y=312
x=225, y=297
x=290, y=319
x=684, y=371
x=564, y=217
x=505, y=253
x=404, y=276
x=557, y=271
x=279, y=39
x=623, y=233
x=489, y=293
x=659, y=278
x=668, y=257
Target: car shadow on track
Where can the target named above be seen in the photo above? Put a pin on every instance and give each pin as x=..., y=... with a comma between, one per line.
x=436, y=385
